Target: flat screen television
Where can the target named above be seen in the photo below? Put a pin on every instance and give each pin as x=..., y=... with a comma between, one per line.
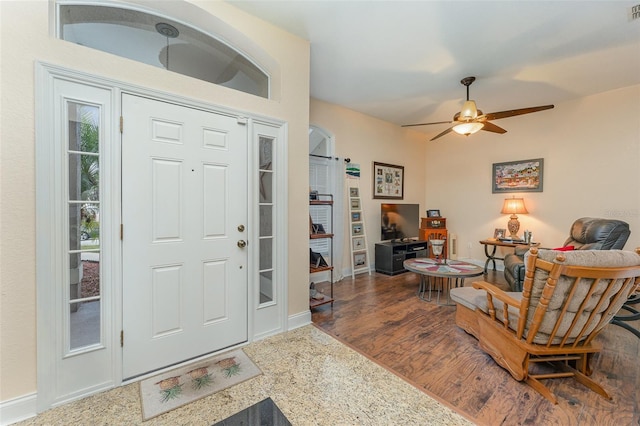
x=399, y=222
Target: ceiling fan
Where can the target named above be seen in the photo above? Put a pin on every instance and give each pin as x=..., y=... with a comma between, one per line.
x=471, y=120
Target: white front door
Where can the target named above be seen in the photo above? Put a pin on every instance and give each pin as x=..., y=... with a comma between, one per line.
x=184, y=198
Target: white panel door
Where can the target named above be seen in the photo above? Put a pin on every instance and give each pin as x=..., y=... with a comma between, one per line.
x=184, y=186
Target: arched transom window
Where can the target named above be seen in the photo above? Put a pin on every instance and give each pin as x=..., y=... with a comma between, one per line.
x=161, y=42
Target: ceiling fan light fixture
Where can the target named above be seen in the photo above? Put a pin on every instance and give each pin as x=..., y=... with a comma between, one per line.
x=468, y=111
x=468, y=128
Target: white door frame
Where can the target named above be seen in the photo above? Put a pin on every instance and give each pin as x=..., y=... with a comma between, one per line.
x=46, y=240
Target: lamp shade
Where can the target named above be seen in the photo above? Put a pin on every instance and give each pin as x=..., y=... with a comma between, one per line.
x=468, y=128
x=514, y=206
x=468, y=111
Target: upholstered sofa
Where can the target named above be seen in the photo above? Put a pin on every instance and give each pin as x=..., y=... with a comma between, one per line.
x=586, y=233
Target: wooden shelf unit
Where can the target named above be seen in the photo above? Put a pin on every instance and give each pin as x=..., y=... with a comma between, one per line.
x=323, y=200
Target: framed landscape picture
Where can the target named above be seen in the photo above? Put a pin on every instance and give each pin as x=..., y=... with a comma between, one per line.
x=518, y=176
x=388, y=181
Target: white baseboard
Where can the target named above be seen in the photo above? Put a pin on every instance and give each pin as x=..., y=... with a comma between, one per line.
x=18, y=409
x=299, y=320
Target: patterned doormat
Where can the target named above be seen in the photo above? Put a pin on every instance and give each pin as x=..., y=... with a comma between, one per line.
x=183, y=385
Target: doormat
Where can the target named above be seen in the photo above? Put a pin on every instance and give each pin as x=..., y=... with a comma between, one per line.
x=183, y=385
x=265, y=412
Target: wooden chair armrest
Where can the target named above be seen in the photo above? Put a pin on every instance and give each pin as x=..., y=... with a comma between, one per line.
x=497, y=293
x=501, y=296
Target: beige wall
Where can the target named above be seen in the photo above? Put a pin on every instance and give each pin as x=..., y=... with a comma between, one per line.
x=365, y=139
x=591, y=152
x=25, y=35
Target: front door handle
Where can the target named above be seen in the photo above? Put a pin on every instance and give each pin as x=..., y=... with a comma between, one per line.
x=242, y=243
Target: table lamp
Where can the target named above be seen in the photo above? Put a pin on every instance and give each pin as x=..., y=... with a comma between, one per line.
x=514, y=206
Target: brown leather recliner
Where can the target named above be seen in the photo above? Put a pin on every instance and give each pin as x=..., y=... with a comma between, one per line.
x=586, y=233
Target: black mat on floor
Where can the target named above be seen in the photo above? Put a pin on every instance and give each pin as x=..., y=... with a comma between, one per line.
x=264, y=413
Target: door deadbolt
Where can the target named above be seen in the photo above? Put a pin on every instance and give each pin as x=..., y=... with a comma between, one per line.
x=241, y=228
x=242, y=243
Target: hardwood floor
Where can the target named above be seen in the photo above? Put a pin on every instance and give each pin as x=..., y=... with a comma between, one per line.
x=382, y=317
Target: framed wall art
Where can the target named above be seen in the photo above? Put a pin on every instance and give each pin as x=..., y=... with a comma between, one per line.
x=359, y=259
x=354, y=192
x=356, y=217
x=358, y=243
x=356, y=229
x=388, y=181
x=518, y=176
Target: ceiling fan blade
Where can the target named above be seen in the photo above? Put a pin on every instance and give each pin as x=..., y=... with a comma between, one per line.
x=490, y=127
x=426, y=124
x=512, y=112
x=441, y=134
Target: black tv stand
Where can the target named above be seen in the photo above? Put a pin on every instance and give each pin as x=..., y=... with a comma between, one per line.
x=390, y=255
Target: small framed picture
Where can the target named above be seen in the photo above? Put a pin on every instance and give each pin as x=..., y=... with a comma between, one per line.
x=356, y=217
x=433, y=213
x=388, y=181
x=354, y=192
x=356, y=229
x=358, y=243
x=355, y=204
x=359, y=259
x=499, y=233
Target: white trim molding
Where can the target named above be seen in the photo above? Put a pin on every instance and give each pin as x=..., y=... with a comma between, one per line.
x=18, y=409
x=299, y=320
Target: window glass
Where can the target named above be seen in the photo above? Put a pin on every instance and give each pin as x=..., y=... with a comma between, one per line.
x=162, y=43
x=83, y=183
x=266, y=206
x=266, y=221
x=266, y=286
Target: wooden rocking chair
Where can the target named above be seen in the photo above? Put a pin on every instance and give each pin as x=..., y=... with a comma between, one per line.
x=567, y=299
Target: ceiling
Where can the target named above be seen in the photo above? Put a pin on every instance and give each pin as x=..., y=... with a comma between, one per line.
x=402, y=61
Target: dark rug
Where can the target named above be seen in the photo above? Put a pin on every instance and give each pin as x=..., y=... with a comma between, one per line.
x=264, y=413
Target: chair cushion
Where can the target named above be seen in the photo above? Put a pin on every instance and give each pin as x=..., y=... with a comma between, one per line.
x=589, y=258
x=473, y=298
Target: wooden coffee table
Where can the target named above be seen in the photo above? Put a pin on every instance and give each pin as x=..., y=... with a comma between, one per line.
x=443, y=275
